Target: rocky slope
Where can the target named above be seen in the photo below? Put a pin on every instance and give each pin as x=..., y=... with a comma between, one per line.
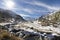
x=9, y=16
x=50, y=19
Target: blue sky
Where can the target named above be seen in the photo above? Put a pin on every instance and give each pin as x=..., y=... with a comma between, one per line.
x=31, y=8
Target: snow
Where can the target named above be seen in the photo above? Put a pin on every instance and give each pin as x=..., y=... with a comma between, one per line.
x=37, y=27
x=41, y=28
x=54, y=34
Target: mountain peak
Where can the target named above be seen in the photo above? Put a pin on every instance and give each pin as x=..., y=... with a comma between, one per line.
x=51, y=19
x=7, y=16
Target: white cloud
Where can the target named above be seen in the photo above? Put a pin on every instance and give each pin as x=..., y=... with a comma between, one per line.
x=43, y=5
x=27, y=10
x=23, y=9
x=30, y=11
x=7, y=4
x=24, y=15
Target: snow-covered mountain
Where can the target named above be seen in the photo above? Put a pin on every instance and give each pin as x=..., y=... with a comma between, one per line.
x=46, y=27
